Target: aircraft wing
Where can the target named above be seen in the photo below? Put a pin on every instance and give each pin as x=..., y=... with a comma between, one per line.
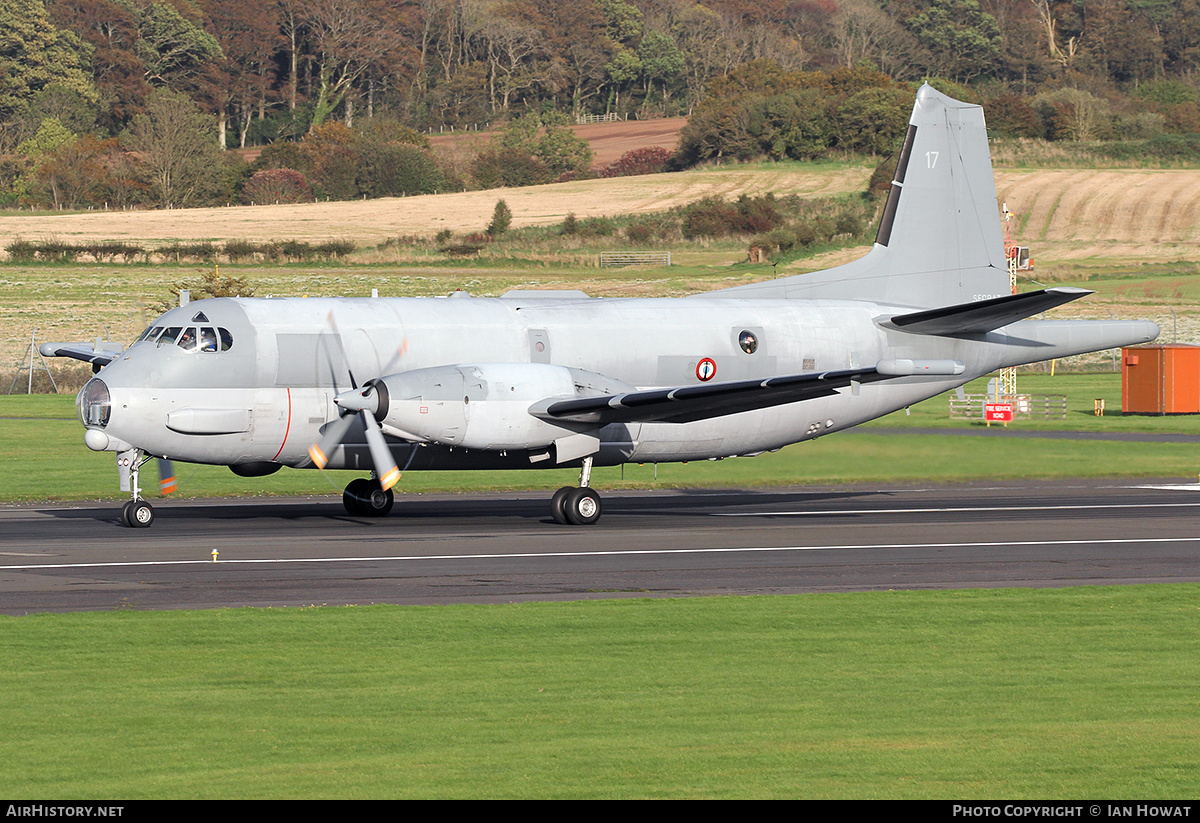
x=87, y=352
x=686, y=404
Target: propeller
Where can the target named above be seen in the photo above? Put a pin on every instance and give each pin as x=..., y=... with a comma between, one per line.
x=363, y=402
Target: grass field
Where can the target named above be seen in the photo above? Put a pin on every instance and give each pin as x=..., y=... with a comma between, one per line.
x=987, y=694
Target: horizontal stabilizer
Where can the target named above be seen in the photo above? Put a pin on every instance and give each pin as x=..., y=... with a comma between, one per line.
x=985, y=315
x=687, y=404
x=94, y=353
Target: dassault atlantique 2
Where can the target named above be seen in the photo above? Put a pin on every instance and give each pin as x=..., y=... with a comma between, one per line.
x=542, y=379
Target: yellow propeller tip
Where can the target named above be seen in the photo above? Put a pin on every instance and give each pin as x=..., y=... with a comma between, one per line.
x=317, y=456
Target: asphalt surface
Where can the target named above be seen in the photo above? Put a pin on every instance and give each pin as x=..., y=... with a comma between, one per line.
x=503, y=548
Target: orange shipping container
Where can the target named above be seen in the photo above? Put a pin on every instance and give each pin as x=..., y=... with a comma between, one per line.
x=1160, y=380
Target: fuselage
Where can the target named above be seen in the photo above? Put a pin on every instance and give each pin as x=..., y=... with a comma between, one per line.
x=255, y=382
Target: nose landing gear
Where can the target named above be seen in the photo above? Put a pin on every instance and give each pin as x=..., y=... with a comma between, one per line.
x=137, y=513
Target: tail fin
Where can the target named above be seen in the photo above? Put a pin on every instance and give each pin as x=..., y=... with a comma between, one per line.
x=939, y=242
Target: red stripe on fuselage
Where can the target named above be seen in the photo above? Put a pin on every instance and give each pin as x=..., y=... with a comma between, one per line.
x=287, y=429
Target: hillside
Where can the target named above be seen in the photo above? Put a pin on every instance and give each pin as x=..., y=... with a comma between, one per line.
x=1124, y=215
x=368, y=222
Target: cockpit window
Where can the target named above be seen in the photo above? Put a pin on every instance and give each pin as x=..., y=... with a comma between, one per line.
x=187, y=339
x=190, y=338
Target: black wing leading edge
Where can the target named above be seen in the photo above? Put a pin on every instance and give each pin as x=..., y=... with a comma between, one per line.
x=687, y=404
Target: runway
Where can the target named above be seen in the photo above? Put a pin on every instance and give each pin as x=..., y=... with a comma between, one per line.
x=504, y=547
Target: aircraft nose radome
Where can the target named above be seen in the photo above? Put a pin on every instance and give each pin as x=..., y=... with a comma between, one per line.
x=95, y=440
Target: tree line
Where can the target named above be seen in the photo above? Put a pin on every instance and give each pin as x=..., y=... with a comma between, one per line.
x=91, y=90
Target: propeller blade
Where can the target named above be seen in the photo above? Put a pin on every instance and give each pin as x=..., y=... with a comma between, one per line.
x=365, y=401
x=335, y=432
x=337, y=336
x=167, y=483
x=381, y=455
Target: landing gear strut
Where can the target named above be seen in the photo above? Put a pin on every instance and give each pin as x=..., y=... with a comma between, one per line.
x=367, y=498
x=137, y=513
x=577, y=505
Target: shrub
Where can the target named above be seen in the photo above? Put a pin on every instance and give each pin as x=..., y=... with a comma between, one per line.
x=392, y=169
x=238, y=250
x=21, y=251
x=334, y=248
x=597, y=227
x=714, y=217
x=639, y=232
x=461, y=249
x=277, y=186
x=507, y=167
x=191, y=251
x=649, y=160
x=112, y=249
x=709, y=217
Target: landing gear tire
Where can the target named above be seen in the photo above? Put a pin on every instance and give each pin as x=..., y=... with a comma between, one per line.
x=558, y=505
x=137, y=514
x=582, y=507
x=367, y=498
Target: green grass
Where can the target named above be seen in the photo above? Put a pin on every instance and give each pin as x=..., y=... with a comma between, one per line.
x=1081, y=391
x=1076, y=693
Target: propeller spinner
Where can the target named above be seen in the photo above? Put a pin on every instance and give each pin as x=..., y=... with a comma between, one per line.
x=364, y=402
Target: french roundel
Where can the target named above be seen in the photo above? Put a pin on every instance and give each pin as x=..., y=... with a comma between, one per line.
x=706, y=370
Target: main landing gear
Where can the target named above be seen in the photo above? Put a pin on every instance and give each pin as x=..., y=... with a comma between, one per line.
x=367, y=498
x=577, y=505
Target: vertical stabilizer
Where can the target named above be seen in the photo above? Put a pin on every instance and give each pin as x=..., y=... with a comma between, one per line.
x=939, y=241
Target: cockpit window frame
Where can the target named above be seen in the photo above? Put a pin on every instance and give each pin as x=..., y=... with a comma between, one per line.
x=209, y=339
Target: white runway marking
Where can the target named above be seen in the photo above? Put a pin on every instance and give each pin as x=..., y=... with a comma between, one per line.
x=948, y=509
x=627, y=553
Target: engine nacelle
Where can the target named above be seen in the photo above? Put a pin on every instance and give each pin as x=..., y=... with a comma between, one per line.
x=481, y=406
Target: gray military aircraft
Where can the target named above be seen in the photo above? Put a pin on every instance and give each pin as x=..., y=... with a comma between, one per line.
x=541, y=379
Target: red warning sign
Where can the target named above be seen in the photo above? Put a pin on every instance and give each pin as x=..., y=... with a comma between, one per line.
x=706, y=370
x=998, y=412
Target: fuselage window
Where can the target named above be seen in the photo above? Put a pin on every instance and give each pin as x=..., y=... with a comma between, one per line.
x=226, y=339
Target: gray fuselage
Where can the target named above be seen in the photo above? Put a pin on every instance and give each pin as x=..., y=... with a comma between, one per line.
x=268, y=396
